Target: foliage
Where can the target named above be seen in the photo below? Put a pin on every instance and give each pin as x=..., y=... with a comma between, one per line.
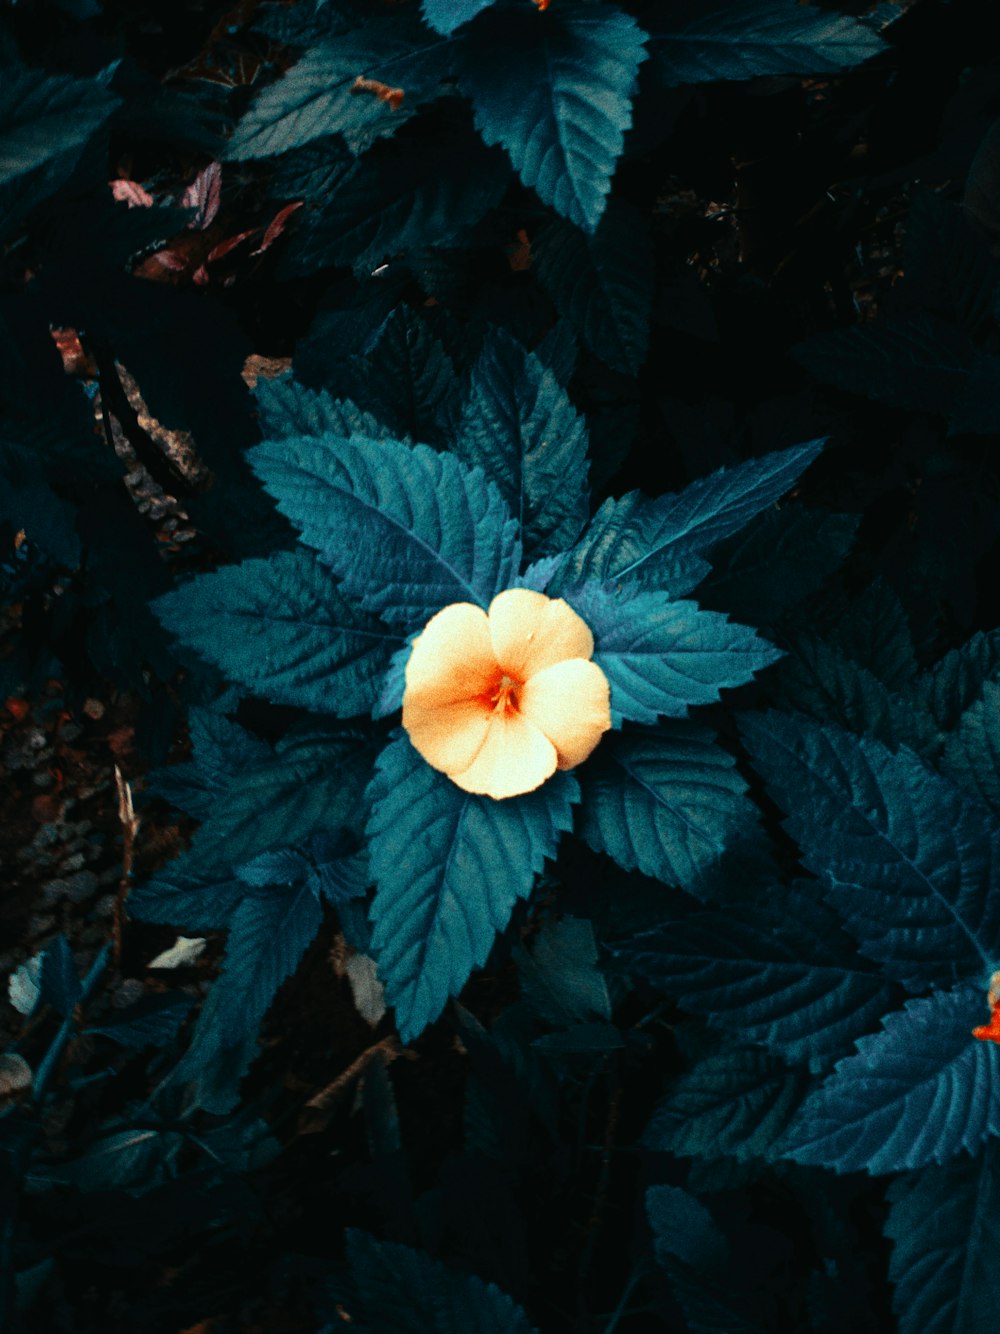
x=316, y=318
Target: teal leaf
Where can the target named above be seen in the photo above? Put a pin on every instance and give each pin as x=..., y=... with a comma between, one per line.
x=780, y=558
x=814, y=678
x=602, y=282
x=519, y=425
x=445, y=16
x=972, y=753
x=559, y=978
x=409, y=378
x=749, y=38
x=944, y=1224
x=285, y=408
x=779, y=971
x=448, y=867
x=403, y=1291
x=407, y=530
x=317, y=96
x=916, y=362
x=958, y=679
x=153, y=1021
x=282, y=628
x=221, y=751
x=406, y=193
x=268, y=934
x=593, y=1039
x=662, y=657
x=43, y=116
x=645, y=541
x=666, y=802
x=180, y=894
x=60, y=982
x=555, y=90
x=735, y=1102
x=919, y=1092
x=683, y=1229
x=313, y=783
x=907, y=858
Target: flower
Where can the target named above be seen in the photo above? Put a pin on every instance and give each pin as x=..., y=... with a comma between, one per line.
x=499, y=700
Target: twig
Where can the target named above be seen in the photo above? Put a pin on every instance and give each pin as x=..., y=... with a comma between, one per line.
x=130, y=827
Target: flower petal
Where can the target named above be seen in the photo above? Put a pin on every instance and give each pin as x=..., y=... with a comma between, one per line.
x=570, y=702
x=515, y=758
x=531, y=632
x=452, y=659
x=448, y=736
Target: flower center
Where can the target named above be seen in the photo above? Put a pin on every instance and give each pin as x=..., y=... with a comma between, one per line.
x=503, y=698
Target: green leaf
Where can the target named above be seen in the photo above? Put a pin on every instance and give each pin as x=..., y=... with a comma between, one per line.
x=268, y=934
x=403, y=1291
x=221, y=751
x=744, y=39
x=407, y=530
x=555, y=90
x=944, y=1223
x=907, y=858
x=282, y=628
x=645, y=541
x=737, y=1101
x=920, y=1091
x=666, y=801
x=779, y=971
x=661, y=657
x=449, y=867
x=519, y=425
x=317, y=96
x=972, y=753
x=415, y=190
x=603, y=283
x=45, y=115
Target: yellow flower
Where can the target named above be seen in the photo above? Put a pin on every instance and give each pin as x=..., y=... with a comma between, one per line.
x=499, y=700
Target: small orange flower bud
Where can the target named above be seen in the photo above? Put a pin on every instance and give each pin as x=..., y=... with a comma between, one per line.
x=499, y=700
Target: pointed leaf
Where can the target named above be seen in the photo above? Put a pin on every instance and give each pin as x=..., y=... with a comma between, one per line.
x=663, y=657
x=60, y=982
x=328, y=91
x=602, y=283
x=944, y=1223
x=288, y=408
x=907, y=858
x=412, y=191
x=779, y=971
x=282, y=628
x=555, y=90
x=638, y=539
x=268, y=934
x=918, y=1092
x=403, y=1291
x=44, y=115
x=407, y=530
x=972, y=753
x=449, y=867
x=736, y=1102
x=153, y=1021
x=749, y=38
x=559, y=979
x=666, y=802
x=447, y=15
x=519, y=425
